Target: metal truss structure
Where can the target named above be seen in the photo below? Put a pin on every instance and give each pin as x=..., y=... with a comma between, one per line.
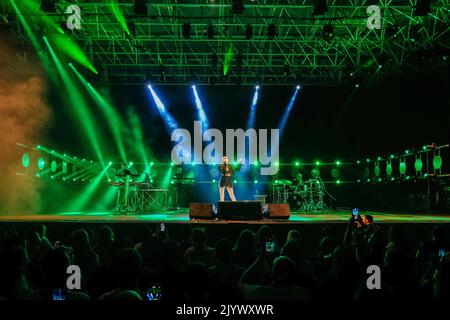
x=268, y=42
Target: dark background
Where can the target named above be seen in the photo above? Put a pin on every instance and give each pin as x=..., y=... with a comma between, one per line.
x=326, y=123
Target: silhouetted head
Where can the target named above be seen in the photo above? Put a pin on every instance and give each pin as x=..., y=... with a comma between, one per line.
x=14, y=263
x=441, y=280
x=126, y=295
x=79, y=239
x=325, y=232
x=367, y=219
x=264, y=234
x=40, y=229
x=199, y=237
x=294, y=235
x=105, y=235
x=327, y=246
x=127, y=267
x=54, y=267
x=224, y=159
x=196, y=282
x=437, y=233
x=224, y=251
x=283, y=271
x=172, y=254
x=396, y=234
x=246, y=241
x=293, y=250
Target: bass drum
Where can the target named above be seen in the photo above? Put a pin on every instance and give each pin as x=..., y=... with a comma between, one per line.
x=294, y=201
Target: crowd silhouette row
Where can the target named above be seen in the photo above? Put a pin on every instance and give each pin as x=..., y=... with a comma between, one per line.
x=255, y=266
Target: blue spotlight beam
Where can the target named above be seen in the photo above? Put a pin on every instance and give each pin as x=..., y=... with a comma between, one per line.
x=169, y=121
x=285, y=117
x=252, y=116
x=200, y=111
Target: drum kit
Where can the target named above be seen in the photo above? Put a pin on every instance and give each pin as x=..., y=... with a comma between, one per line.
x=301, y=195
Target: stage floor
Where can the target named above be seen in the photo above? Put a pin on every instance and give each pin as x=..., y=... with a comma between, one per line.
x=182, y=216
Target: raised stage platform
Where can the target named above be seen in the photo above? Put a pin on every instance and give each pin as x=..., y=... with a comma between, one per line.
x=182, y=216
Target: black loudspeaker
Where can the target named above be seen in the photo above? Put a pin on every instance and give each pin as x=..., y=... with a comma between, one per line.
x=239, y=210
x=278, y=211
x=200, y=211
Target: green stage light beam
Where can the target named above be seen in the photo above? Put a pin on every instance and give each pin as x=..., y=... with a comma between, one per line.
x=112, y=117
x=40, y=51
x=118, y=14
x=59, y=173
x=167, y=178
x=79, y=173
x=107, y=199
x=80, y=203
x=78, y=104
x=58, y=155
x=27, y=28
x=138, y=136
x=61, y=40
x=34, y=9
x=227, y=60
x=71, y=49
x=83, y=176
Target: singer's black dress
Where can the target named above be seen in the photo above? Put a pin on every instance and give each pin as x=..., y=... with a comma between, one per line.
x=227, y=171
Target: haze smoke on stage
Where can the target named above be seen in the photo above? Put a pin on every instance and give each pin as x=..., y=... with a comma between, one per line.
x=24, y=118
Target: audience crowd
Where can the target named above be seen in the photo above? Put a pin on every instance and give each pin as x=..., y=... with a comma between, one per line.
x=255, y=266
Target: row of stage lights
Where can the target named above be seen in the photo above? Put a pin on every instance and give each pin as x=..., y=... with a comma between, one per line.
x=393, y=156
x=255, y=181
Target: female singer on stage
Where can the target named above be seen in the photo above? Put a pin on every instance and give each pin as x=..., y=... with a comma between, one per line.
x=227, y=171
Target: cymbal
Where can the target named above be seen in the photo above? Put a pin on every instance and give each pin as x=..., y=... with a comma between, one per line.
x=284, y=182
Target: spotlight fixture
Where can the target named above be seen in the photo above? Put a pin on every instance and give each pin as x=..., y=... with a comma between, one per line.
x=249, y=32
x=132, y=28
x=328, y=32
x=210, y=31
x=48, y=6
x=186, y=30
x=422, y=8
x=257, y=87
x=239, y=61
x=271, y=31
x=214, y=60
x=320, y=8
x=237, y=6
x=140, y=8
x=298, y=87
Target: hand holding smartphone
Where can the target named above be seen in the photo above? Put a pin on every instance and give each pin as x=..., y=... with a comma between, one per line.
x=154, y=293
x=441, y=254
x=270, y=246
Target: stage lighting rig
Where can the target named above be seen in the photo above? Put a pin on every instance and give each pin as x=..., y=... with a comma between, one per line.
x=239, y=61
x=422, y=8
x=271, y=31
x=210, y=31
x=186, y=30
x=237, y=6
x=320, y=8
x=214, y=60
x=328, y=32
x=48, y=6
x=140, y=8
x=249, y=32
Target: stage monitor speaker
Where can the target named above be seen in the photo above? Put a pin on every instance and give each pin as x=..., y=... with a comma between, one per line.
x=239, y=210
x=200, y=211
x=278, y=211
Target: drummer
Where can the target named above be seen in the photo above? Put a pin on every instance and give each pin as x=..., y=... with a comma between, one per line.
x=299, y=183
x=299, y=179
